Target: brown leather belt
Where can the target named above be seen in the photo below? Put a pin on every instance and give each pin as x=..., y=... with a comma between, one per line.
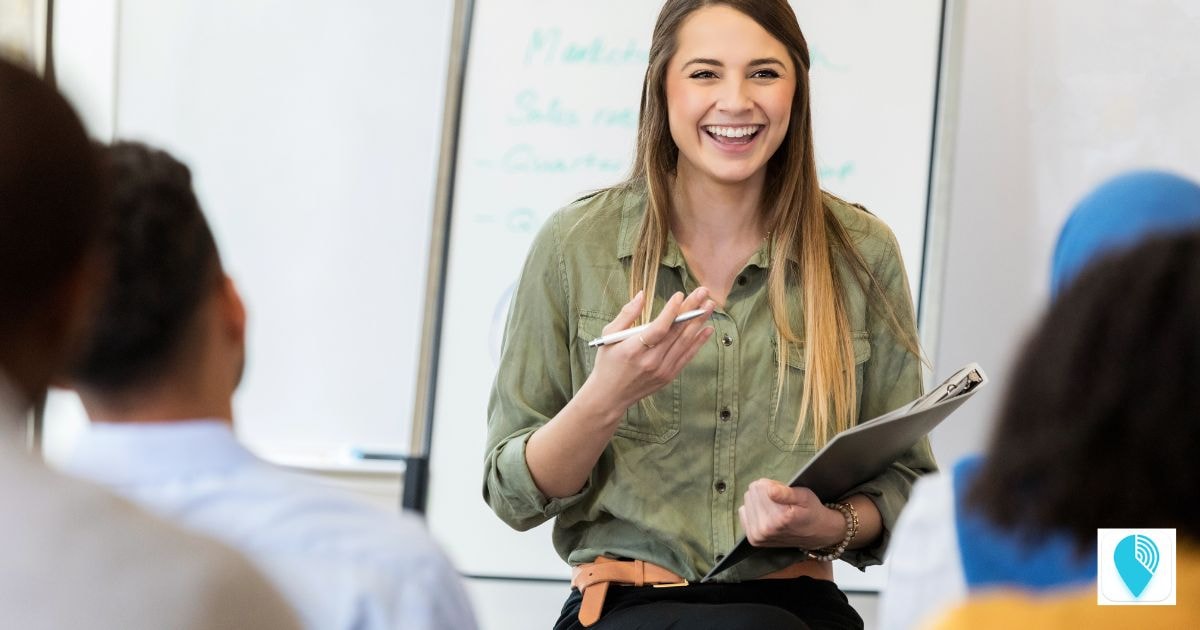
x=592, y=579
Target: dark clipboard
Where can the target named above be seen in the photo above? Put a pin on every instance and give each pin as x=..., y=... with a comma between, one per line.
x=861, y=453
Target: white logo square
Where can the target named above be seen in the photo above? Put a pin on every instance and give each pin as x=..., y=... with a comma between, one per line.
x=1135, y=567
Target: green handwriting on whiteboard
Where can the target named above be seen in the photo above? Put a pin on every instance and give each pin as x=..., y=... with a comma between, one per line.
x=527, y=158
x=548, y=46
x=839, y=172
x=517, y=221
x=531, y=108
x=819, y=60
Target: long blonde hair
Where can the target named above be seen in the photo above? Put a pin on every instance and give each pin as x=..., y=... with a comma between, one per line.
x=805, y=235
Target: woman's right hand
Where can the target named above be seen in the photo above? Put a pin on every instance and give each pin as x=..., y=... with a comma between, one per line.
x=561, y=453
x=628, y=371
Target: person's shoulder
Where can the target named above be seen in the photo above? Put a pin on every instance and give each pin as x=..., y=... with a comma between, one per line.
x=303, y=516
x=597, y=216
x=872, y=237
x=186, y=580
x=1058, y=609
x=857, y=219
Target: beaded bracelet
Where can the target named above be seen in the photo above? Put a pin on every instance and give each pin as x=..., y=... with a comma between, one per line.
x=836, y=551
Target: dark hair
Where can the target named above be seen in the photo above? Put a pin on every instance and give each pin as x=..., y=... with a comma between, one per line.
x=1101, y=423
x=51, y=195
x=165, y=264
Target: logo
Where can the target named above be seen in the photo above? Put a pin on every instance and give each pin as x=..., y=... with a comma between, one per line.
x=1136, y=567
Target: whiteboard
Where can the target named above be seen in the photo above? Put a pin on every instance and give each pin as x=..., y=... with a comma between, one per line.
x=550, y=111
x=312, y=130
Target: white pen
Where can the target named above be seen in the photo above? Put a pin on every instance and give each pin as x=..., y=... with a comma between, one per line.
x=629, y=332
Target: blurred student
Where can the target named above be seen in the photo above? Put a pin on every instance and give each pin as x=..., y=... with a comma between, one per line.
x=1101, y=429
x=75, y=556
x=157, y=378
x=942, y=550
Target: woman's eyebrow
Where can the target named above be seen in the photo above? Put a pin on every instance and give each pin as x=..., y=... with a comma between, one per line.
x=765, y=61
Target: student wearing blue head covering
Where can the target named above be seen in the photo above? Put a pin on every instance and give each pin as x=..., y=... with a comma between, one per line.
x=1119, y=214
x=927, y=573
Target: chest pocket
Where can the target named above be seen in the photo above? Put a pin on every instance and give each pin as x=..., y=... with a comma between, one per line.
x=656, y=417
x=782, y=429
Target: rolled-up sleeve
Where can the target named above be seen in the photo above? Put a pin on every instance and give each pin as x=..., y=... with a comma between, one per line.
x=891, y=378
x=533, y=383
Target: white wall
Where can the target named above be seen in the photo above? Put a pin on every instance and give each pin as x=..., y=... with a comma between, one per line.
x=991, y=261
x=312, y=131
x=1053, y=99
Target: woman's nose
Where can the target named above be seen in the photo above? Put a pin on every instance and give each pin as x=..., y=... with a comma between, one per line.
x=734, y=96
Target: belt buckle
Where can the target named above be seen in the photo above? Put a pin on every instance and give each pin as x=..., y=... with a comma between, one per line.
x=671, y=584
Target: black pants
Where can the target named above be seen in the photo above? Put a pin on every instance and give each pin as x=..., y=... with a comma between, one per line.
x=799, y=604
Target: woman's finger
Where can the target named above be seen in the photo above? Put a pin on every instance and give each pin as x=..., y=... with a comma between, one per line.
x=660, y=327
x=628, y=315
x=684, y=351
x=758, y=513
x=697, y=299
x=686, y=343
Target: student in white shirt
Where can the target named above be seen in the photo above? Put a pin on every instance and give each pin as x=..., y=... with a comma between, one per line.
x=157, y=379
x=74, y=556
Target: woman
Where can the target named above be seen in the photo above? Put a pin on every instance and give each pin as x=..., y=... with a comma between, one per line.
x=1101, y=430
x=640, y=449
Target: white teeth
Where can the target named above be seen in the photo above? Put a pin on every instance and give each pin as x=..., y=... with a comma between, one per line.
x=732, y=132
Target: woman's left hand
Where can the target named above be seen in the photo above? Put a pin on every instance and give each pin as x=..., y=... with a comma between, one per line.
x=778, y=515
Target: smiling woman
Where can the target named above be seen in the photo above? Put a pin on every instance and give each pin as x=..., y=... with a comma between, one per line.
x=641, y=450
x=719, y=97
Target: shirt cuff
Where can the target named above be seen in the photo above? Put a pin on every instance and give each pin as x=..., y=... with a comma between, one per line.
x=526, y=503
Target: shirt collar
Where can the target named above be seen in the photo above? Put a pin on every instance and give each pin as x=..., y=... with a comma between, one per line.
x=130, y=453
x=632, y=211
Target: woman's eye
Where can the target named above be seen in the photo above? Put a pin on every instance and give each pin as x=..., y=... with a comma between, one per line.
x=704, y=74
x=765, y=74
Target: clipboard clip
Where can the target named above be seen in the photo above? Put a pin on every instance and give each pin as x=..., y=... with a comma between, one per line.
x=968, y=383
x=947, y=390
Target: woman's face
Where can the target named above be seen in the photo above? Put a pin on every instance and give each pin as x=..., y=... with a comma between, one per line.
x=729, y=95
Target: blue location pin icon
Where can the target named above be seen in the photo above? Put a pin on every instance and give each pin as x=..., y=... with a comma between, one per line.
x=1136, y=558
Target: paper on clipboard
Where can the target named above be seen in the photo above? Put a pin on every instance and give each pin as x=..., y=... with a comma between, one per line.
x=861, y=453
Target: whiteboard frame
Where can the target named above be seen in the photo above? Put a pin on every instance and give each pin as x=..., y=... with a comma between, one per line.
x=416, y=478
x=941, y=176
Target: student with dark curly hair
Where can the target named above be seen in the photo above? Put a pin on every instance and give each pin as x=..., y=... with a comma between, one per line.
x=157, y=378
x=1100, y=429
x=75, y=556
x=942, y=548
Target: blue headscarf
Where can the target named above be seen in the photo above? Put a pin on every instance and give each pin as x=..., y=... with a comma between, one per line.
x=1119, y=214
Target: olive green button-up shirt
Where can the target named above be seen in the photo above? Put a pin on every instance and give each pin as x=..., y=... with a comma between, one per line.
x=668, y=485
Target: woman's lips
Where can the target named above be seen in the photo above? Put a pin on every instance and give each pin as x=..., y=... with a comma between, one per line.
x=733, y=138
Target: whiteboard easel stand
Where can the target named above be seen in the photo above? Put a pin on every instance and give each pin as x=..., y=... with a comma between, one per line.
x=941, y=176
x=416, y=472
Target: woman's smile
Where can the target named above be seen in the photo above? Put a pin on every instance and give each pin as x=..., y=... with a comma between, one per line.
x=733, y=138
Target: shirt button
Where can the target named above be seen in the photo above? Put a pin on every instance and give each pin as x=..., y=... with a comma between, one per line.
x=720, y=557
x=741, y=280
x=727, y=341
x=720, y=486
x=725, y=413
